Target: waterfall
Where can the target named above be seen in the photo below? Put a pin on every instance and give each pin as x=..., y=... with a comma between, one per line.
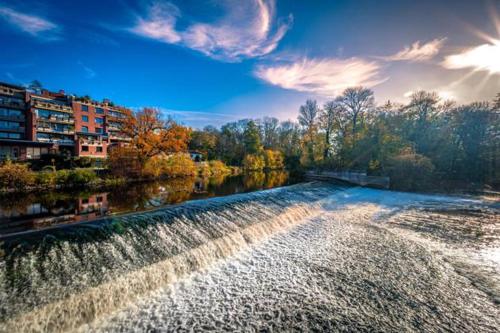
x=60, y=279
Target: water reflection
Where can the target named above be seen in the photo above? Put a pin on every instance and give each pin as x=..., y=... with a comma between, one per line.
x=39, y=210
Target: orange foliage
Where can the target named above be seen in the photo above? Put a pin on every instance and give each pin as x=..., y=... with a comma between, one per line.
x=152, y=136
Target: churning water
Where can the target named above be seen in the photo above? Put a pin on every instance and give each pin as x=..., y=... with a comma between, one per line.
x=305, y=257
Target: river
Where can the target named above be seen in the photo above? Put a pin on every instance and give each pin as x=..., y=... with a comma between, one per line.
x=306, y=257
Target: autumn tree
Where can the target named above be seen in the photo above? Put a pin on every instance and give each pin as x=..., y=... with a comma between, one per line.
x=151, y=135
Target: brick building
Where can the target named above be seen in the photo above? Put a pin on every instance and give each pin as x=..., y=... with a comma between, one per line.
x=33, y=123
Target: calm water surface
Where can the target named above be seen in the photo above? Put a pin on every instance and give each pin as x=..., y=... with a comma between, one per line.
x=23, y=212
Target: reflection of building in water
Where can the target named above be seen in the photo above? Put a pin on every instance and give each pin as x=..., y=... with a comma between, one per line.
x=38, y=215
x=92, y=207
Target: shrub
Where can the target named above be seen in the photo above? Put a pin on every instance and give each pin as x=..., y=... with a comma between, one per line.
x=62, y=177
x=274, y=159
x=204, y=169
x=16, y=176
x=46, y=178
x=81, y=177
x=179, y=164
x=253, y=162
x=218, y=168
x=410, y=171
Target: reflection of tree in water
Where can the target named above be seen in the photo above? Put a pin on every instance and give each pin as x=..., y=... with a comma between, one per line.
x=254, y=180
x=276, y=178
x=151, y=194
x=258, y=180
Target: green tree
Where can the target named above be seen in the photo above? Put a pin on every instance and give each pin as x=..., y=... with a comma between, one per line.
x=252, y=138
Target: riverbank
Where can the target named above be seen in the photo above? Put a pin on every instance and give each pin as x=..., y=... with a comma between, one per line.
x=15, y=177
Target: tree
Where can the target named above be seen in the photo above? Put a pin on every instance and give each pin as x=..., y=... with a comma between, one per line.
x=35, y=85
x=496, y=102
x=270, y=132
x=205, y=141
x=252, y=139
x=356, y=101
x=331, y=115
x=308, y=114
x=151, y=136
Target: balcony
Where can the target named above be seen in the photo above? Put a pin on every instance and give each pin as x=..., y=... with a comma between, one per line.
x=52, y=106
x=55, y=140
x=19, y=129
x=8, y=103
x=11, y=92
x=54, y=130
x=12, y=117
x=55, y=119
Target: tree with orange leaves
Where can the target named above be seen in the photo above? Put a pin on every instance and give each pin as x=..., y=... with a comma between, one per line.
x=150, y=135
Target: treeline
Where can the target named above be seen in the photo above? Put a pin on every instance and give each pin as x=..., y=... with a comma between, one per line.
x=425, y=144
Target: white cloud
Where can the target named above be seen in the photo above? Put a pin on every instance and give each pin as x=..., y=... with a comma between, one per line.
x=326, y=77
x=418, y=52
x=246, y=30
x=31, y=24
x=89, y=72
x=485, y=57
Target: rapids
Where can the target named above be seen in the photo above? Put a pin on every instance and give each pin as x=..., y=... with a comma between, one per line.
x=306, y=257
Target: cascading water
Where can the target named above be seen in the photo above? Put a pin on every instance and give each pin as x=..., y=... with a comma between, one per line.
x=338, y=259
x=66, y=277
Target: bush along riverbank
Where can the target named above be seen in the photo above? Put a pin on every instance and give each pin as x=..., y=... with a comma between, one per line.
x=18, y=177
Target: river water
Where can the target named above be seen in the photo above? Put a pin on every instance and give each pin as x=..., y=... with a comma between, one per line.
x=306, y=257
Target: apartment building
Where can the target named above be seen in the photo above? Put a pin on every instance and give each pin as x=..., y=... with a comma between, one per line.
x=33, y=123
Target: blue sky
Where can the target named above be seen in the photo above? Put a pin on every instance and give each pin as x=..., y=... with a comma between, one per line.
x=210, y=62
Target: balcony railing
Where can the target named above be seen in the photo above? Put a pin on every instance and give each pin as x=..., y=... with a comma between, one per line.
x=55, y=140
x=54, y=119
x=19, y=129
x=52, y=106
x=54, y=130
x=12, y=117
x=12, y=104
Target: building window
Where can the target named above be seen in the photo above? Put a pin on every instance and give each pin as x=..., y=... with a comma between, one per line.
x=85, y=107
x=99, y=110
x=98, y=130
x=85, y=129
x=85, y=119
x=85, y=148
x=98, y=149
x=99, y=121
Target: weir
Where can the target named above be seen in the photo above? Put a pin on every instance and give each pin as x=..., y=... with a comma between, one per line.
x=355, y=178
x=62, y=278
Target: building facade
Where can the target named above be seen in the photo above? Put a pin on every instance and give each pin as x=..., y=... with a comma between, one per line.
x=34, y=123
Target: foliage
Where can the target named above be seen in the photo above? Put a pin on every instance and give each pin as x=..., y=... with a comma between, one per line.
x=81, y=177
x=274, y=160
x=16, y=176
x=411, y=171
x=177, y=165
x=124, y=162
x=252, y=139
x=151, y=136
x=218, y=168
x=254, y=162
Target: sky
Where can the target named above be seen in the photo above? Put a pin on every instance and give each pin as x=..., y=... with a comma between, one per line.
x=215, y=61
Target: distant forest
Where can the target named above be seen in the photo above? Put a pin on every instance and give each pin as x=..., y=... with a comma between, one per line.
x=427, y=144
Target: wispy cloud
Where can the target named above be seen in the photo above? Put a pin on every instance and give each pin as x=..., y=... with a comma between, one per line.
x=485, y=57
x=31, y=24
x=326, y=77
x=246, y=30
x=418, y=52
x=89, y=72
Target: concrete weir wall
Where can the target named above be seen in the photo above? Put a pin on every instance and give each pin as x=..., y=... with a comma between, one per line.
x=357, y=178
